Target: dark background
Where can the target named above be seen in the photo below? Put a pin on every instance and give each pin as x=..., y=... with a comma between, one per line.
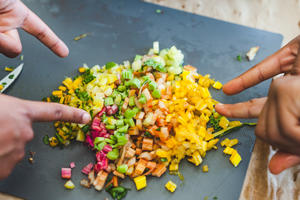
x=119, y=29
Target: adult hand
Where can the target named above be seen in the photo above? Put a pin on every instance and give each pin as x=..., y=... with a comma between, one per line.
x=279, y=113
x=16, y=121
x=14, y=14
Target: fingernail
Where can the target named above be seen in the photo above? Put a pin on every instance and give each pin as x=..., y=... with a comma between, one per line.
x=220, y=104
x=86, y=118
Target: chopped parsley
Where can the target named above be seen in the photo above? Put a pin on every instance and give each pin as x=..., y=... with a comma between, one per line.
x=214, y=122
x=11, y=76
x=4, y=83
x=87, y=76
x=83, y=96
x=239, y=58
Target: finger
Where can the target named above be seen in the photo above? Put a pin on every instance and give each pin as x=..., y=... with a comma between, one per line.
x=260, y=129
x=10, y=44
x=277, y=63
x=249, y=109
x=296, y=66
x=42, y=111
x=282, y=161
x=36, y=27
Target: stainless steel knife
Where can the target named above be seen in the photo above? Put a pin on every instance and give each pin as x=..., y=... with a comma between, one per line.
x=11, y=77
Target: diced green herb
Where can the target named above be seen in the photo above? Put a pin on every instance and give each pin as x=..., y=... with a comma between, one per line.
x=54, y=98
x=87, y=76
x=163, y=159
x=11, y=76
x=147, y=134
x=117, y=192
x=215, y=198
x=158, y=11
x=85, y=128
x=110, y=65
x=4, y=83
x=83, y=96
x=239, y=58
x=46, y=139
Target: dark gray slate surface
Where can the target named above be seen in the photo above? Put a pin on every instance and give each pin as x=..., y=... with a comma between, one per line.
x=119, y=30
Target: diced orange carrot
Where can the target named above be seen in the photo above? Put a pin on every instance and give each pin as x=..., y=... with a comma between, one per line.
x=159, y=170
x=147, y=144
x=190, y=68
x=129, y=153
x=115, y=181
x=133, y=146
x=100, y=180
x=140, y=167
x=131, y=93
x=164, y=133
x=108, y=183
x=133, y=131
x=151, y=165
x=116, y=173
x=138, y=151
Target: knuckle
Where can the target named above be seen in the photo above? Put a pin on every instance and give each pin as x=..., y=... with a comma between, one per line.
x=29, y=135
x=58, y=112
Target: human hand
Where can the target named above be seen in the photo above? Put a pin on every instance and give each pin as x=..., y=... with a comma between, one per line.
x=14, y=14
x=278, y=114
x=16, y=121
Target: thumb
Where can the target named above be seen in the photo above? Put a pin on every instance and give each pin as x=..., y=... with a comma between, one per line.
x=282, y=161
x=42, y=111
x=296, y=66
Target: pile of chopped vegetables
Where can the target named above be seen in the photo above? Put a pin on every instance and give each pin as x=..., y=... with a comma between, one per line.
x=147, y=116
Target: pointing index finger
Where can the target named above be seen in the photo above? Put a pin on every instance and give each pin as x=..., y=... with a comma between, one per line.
x=279, y=62
x=42, y=111
x=36, y=27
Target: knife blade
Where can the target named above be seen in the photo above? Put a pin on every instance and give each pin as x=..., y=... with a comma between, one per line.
x=11, y=77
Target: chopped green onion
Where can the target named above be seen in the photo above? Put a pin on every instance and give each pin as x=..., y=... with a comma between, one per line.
x=108, y=101
x=113, y=155
x=147, y=134
x=131, y=101
x=110, y=65
x=164, y=159
x=239, y=58
x=156, y=94
x=122, y=168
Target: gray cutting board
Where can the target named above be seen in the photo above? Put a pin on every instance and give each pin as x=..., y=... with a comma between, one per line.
x=119, y=30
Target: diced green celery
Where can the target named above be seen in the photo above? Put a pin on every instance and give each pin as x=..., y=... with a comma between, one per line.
x=118, y=99
x=142, y=99
x=131, y=101
x=110, y=127
x=127, y=75
x=121, y=88
x=130, y=122
x=122, y=168
x=98, y=140
x=113, y=155
x=110, y=65
x=108, y=101
x=152, y=85
x=123, y=129
x=156, y=93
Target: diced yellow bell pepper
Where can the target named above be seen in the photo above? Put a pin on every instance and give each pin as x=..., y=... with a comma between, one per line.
x=205, y=168
x=48, y=99
x=9, y=69
x=81, y=69
x=56, y=124
x=62, y=88
x=57, y=93
x=232, y=142
x=68, y=83
x=140, y=182
x=171, y=186
x=234, y=123
x=212, y=143
x=61, y=101
x=171, y=142
x=162, y=153
x=224, y=122
x=173, y=167
x=225, y=142
x=1, y=87
x=80, y=136
x=217, y=85
x=229, y=150
x=53, y=142
x=196, y=158
x=235, y=158
x=69, y=185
